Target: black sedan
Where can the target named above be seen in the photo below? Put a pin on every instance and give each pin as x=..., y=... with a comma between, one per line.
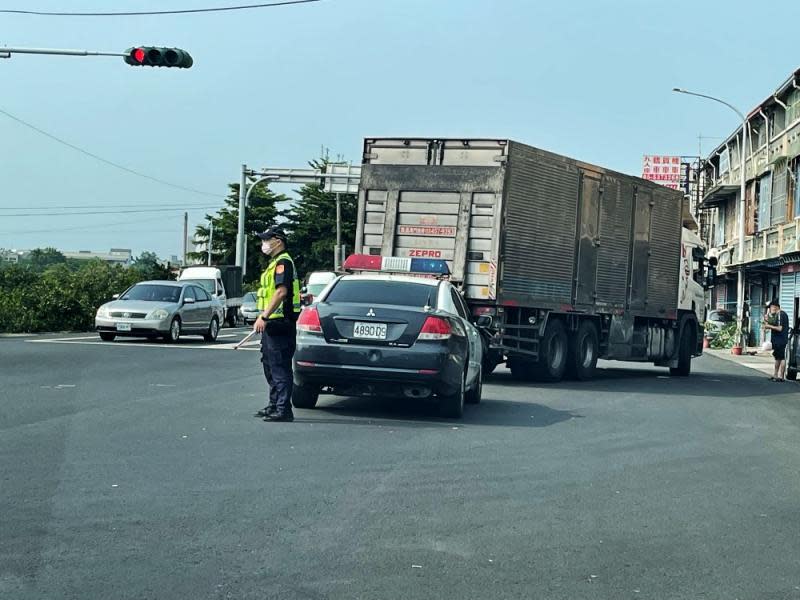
x=389, y=335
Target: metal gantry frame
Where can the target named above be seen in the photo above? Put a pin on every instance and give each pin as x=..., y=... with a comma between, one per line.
x=338, y=179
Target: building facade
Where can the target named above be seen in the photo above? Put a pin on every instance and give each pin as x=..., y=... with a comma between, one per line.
x=770, y=140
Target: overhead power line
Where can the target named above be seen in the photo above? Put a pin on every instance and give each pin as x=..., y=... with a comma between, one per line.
x=100, y=206
x=83, y=227
x=156, y=12
x=106, y=212
x=105, y=161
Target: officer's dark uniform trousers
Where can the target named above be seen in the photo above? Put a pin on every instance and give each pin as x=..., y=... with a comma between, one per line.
x=277, y=351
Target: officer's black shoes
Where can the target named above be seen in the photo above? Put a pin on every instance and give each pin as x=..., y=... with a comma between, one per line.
x=288, y=417
x=266, y=412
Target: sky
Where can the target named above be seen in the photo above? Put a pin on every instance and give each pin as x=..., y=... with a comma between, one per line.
x=271, y=87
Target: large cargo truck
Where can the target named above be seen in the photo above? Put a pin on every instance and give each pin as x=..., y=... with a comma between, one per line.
x=561, y=262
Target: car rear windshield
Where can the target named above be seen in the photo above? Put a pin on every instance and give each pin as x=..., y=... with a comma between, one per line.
x=153, y=293
x=398, y=293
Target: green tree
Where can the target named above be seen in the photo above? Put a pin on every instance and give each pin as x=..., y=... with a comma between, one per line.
x=261, y=214
x=311, y=225
x=59, y=298
x=148, y=265
x=41, y=258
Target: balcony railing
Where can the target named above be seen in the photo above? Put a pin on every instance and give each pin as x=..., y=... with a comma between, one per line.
x=764, y=245
x=786, y=144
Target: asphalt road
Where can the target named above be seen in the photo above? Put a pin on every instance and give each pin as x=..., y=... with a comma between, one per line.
x=136, y=470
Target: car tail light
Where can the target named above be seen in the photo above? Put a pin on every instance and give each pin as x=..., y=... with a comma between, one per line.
x=435, y=328
x=309, y=321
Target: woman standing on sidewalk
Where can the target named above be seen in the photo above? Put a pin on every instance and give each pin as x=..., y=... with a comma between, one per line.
x=779, y=326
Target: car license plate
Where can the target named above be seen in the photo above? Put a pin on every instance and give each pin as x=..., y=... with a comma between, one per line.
x=123, y=326
x=370, y=331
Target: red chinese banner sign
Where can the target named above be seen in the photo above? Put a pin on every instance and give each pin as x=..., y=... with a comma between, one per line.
x=665, y=170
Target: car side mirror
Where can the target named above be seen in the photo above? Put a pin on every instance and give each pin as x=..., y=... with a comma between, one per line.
x=188, y=300
x=484, y=321
x=115, y=297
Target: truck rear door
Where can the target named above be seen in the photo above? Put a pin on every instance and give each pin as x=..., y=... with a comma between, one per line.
x=439, y=199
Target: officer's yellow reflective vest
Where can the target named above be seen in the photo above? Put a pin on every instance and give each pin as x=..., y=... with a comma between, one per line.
x=267, y=287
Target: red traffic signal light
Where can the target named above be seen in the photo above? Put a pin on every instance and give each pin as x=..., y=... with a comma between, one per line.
x=154, y=56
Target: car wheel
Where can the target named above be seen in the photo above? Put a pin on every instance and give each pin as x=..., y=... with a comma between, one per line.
x=583, y=351
x=451, y=406
x=174, y=332
x=305, y=396
x=686, y=343
x=213, y=330
x=107, y=337
x=473, y=396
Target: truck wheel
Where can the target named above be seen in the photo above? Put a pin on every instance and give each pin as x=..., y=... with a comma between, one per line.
x=305, y=396
x=213, y=330
x=473, y=396
x=685, y=346
x=791, y=374
x=451, y=406
x=584, y=349
x=553, y=350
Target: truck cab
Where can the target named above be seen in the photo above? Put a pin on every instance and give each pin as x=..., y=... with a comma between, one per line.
x=693, y=281
x=209, y=278
x=223, y=283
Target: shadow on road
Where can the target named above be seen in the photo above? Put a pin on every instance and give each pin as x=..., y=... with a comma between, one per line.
x=414, y=413
x=727, y=382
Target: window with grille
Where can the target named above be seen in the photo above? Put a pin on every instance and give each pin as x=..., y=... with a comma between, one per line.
x=779, y=182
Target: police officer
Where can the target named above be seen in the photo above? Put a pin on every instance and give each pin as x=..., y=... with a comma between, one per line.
x=279, y=307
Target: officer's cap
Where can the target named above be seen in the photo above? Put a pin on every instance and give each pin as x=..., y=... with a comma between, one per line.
x=273, y=232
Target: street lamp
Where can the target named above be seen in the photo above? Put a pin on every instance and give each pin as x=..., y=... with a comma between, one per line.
x=244, y=199
x=742, y=183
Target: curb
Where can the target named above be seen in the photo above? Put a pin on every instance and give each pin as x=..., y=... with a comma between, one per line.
x=763, y=363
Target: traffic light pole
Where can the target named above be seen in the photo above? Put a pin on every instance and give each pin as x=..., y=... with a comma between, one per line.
x=138, y=56
x=7, y=52
x=338, y=179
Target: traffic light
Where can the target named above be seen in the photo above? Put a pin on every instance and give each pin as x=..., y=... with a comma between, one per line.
x=151, y=56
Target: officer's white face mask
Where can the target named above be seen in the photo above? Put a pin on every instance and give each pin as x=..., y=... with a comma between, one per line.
x=269, y=246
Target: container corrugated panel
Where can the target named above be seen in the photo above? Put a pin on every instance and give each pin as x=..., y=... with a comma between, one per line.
x=539, y=227
x=665, y=248
x=613, y=260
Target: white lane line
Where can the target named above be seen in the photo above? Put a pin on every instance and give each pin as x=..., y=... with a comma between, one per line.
x=85, y=337
x=145, y=345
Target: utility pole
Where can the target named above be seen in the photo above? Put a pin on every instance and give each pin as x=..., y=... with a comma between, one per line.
x=185, y=236
x=240, y=230
x=210, y=240
x=337, y=263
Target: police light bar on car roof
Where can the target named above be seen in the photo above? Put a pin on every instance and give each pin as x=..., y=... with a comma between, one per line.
x=396, y=264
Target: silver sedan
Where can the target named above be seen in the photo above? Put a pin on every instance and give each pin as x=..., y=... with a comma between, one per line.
x=166, y=309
